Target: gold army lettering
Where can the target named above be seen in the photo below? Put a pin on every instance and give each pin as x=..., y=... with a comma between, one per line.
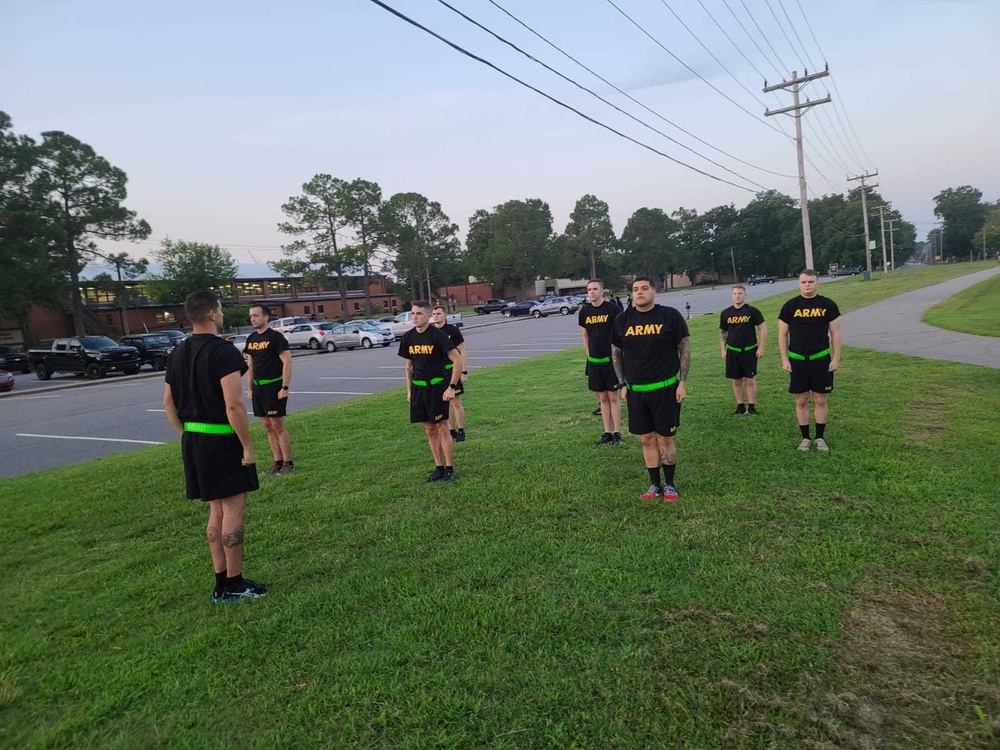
x=595, y=319
x=258, y=346
x=650, y=329
x=421, y=348
x=810, y=312
x=734, y=319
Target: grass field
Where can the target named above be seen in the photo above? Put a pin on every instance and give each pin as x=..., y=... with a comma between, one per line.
x=973, y=310
x=789, y=600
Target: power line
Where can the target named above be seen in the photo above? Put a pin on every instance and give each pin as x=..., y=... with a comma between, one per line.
x=784, y=33
x=692, y=70
x=750, y=37
x=731, y=41
x=820, y=154
x=764, y=36
x=504, y=73
x=629, y=96
x=795, y=31
x=594, y=93
x=834, y=152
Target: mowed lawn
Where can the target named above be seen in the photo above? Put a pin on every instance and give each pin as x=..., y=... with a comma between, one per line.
x=789, y=600
x=973, y=310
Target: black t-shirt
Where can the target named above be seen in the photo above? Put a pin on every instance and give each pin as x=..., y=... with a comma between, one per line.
x=740, y=324
x=265, y=349
x=194, y=370
x=428, y=350
x=598, y=321
x=453, y=334
x=809, y=323
x=649, y=342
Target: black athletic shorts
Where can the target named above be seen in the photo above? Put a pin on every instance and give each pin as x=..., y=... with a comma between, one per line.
x=741, y=364
x=266, y=402
x=601, y=377
x=654, y=411
x=213, y=467
x=811, y=375
x=426, y=403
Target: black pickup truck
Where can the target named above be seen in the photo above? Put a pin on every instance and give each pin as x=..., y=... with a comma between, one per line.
x=490, y=305
x=154, y=348
x=93, y=356
x=11, y=359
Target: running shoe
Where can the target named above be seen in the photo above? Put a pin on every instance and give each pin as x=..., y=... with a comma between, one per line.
x=616, y=439
x=436, y=476
x=752, y=411
x=250, y=590
x=652, y=493
x=821, y=445
x=670, y=494
x=274, y=469
x=606, y=439
x=286, y=468
x=740, y=411
x=218, y=596
x=597, y=411
x=449, y=475
x=460, y=436
x=804, y=445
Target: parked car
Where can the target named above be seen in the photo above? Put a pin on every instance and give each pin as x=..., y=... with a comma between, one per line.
x=846, y=271
x=528, y=307
x=154, y=348
x=353, y=335
x=93, y=356
x=756, y=279
x=404, y=322
x=489, y=306
x=284, y=325
x=11, y=359
x=308, y=335
x=238, y=340
x=175, y=336
x=560, y=305
x=6, y=381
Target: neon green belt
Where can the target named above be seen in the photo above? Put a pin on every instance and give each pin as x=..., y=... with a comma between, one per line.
x=738, y=349
x=208, y=428
x=817, y=355
x=433, y=381
x=449, y=366
x=267, y=382
x=654, y=386
x=598, y=360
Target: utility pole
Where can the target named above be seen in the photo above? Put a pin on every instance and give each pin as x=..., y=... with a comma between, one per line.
x=881, y=218
x=892, y=242
x=864, y=212
x=736, y=279
x=796, y=109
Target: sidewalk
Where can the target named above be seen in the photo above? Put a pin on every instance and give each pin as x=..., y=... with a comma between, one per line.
x=894, y=325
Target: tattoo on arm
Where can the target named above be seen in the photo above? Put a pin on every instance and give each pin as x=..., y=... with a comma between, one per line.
x=616, y=361
x=233, y=538
x=685, y=353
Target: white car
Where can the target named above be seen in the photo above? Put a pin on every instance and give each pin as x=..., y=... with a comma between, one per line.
x=284, y=325
x=239, y=341
x=308, y=335
x=353, y=335
x=561, y=305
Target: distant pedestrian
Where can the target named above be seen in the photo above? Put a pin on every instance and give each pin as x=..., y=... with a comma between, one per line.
x=268, y=383
x=742, y=336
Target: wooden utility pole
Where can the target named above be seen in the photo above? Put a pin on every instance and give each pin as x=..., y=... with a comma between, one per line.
x=892, y=243
x=864, y=213
x=796, y=110
x=881, y=219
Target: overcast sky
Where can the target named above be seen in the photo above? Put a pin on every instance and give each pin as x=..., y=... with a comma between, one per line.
x=220, y=111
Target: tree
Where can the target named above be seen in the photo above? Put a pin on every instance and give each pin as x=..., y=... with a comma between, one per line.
x=512, y=244
x=422, y=239
x=319, y=214
x=85, y=194
x=590, y=236
x=191, y=266
x=362, y=201
x=649, y=243
x=771, y=227
x=127, y=268
x=963, y=213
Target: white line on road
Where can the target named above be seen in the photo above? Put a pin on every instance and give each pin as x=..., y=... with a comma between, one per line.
x=40, y=397
x=102, y=440
x=478, y=357
x=336, y=393
x=360, y=377
x=164, y=411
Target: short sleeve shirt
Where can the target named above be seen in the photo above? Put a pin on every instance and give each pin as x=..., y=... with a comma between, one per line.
x=598, y=322
x=454, y=334
x=809, y=323
x=194, y=371
x=740, y=325
x=649, y=342
x=428, y=351
x=265, y=350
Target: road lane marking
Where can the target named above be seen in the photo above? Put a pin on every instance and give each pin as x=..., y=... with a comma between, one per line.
x=476, y=356
x=102, y=440
x=26, y=397
x=337, y=393
x=359, y=377
x=164, y=411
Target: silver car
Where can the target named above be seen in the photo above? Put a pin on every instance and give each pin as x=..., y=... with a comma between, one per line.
x=560, y=305
x=353, y=335
x=311, y=335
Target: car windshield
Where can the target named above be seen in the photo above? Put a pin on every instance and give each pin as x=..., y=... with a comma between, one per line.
x=325, y=326
x=6, y=350
x=97, y=342
x=159, y=341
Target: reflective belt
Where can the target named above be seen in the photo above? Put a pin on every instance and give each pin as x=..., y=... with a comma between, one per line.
x=267, y=382
x=433, y=381
x=208, y=428
x=654, y=386
x=598, y=360
x=817, y=355
x=738, y=349
x=449, y=366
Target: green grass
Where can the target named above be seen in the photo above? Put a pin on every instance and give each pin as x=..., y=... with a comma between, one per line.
x=787, y=599
x=973, y=310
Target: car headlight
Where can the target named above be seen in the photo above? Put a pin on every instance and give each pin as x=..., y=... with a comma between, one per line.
x=98, y=355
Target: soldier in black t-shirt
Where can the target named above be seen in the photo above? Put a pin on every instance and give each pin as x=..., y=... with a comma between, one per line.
x=430, y=385
x=596, y=319
x=651, y=353
x=742, y=336
x=203, y=399
x=809, y=342
x=268, y=381
x=456, y=411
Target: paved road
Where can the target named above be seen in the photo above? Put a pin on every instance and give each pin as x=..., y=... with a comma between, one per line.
x=894, y=325
x=67, y=420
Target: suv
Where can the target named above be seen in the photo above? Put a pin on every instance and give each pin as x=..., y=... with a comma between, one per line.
x=490, y=305
x=756, y=279
x=561, y=305
x=847, y=271
x=154, y=348
x=285, y=325
x=12, y=359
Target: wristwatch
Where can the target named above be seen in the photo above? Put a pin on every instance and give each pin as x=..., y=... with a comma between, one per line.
x=620, y=386
x=451, y=385
x=285, y=387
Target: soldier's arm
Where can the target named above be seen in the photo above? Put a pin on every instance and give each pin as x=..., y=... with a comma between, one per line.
x=616, y=362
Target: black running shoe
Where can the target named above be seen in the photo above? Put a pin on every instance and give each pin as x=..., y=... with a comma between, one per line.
x=741, y=411
x=286, y=468
x=597, y=411
x=460, y=436
x=218, y=596
x=606, y=439
x=752, y=411
x=449, y=475
x=616, y=439
x=250, y=590
x=436, y=476
x=274, y=469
